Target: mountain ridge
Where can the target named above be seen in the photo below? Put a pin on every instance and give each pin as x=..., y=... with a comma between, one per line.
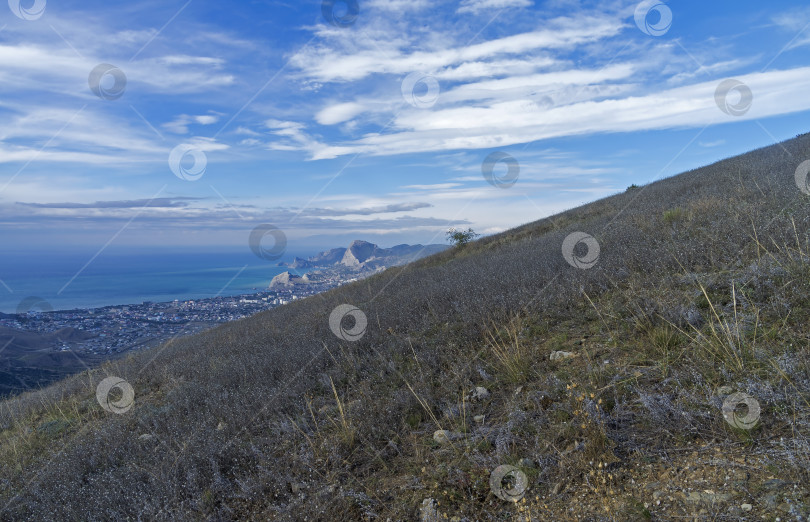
x=364, y=254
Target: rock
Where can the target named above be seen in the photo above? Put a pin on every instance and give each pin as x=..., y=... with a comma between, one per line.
x=146, y=436
x=445, y=436
x=484, y=375
x=707, y=496
x=358, y=253
x=746, y=507
x=221, y=426
x=479, y=419
x=296, y=488
x=560, y=355
x=480, y=393
x=429, y=511
x=284, y=280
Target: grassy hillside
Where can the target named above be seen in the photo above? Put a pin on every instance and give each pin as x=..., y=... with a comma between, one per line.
x=701, y=291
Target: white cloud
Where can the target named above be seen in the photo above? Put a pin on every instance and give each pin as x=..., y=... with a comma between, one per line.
x=180, y=124
x=474, y=6
x=397, y=5
x=511, y=122
x=339, y=113
x=435, y=186
x=795, y=21
x=329, y=63
x=207, y=119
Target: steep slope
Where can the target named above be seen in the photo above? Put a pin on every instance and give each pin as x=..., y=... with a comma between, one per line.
x=602, y=379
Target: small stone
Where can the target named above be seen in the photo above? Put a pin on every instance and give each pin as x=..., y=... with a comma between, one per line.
x=221, y=426
x=445, y=436
x=560, y=355
x=146, y=436
x=746, y=507
x=295, y=488
x=479, y=419
x=429, y=511
x=480, y=393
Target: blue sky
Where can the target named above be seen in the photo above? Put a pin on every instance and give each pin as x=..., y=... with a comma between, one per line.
x=377, y=129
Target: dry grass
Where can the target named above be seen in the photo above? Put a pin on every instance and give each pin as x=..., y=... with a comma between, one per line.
x=513, y=355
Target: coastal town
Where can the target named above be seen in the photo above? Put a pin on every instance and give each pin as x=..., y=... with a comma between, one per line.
x=118, y=329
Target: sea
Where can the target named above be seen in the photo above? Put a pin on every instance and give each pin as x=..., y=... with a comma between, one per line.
x=78, y=280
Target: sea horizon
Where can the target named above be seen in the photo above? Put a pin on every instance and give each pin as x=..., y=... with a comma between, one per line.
x=131, y=278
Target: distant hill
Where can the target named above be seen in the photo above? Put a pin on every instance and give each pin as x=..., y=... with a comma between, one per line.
x=29, y=360
x=642, y=357
x=285, y=280
x=365, y=255
x=324, y=259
